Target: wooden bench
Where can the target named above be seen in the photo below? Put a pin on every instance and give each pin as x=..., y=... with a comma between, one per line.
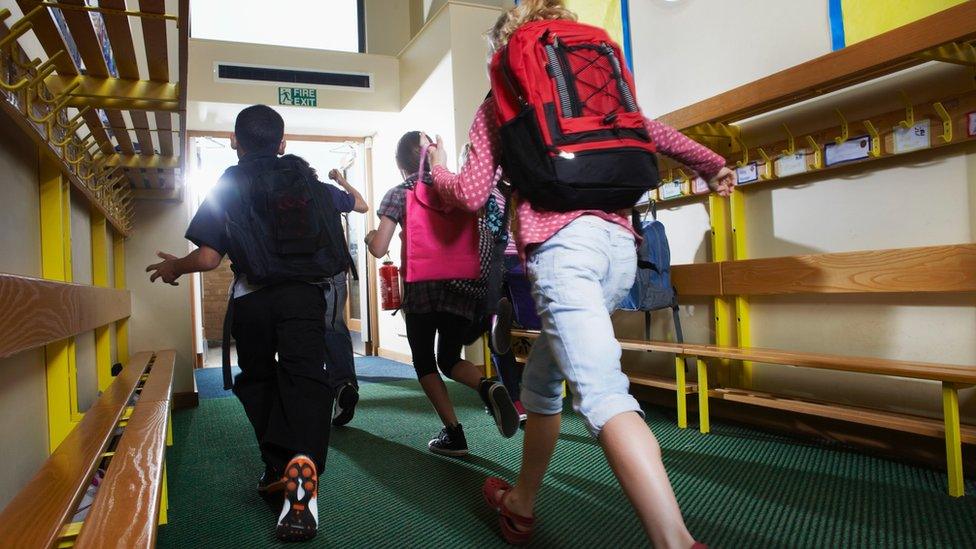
x=130, y=500
x=934, y=269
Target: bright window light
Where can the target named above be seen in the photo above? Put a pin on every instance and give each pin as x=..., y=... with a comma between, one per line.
x=317, y=24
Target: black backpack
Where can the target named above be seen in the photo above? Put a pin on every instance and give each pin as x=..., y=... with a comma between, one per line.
x=282, y=226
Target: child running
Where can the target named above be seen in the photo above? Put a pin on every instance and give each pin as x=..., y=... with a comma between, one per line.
x=432, y=309
x=264, y=206
x=581, y=264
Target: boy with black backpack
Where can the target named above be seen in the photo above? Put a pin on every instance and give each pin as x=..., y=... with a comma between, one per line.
x=283, y=234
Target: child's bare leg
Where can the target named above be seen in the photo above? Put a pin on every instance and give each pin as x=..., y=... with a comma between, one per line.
x=467, y=374
x=635, y=457
x=436, y=393
x=541, y=433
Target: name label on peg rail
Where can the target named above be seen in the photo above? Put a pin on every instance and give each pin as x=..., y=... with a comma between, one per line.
x=856, y=148
x=748, y=173
x=669, y=190
x=971, y=126
x=791, y=164
x=915, y=138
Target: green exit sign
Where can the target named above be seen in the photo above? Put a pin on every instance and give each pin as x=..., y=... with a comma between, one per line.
x=297, y=97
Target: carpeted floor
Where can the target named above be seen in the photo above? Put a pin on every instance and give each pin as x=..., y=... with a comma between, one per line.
x=382, y=488
x=369, y=369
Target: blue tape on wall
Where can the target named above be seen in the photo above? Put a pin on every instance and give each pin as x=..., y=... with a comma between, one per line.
x=837, y=39
x=625, y=23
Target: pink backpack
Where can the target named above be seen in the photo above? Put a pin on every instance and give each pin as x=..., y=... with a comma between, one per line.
x=441, y=242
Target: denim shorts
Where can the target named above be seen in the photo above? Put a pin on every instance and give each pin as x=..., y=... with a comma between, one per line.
x=579, y=276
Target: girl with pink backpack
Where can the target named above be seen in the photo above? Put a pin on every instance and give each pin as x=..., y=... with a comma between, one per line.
x=440, y=244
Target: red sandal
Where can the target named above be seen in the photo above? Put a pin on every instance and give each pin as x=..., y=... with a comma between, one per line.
x=516, y=529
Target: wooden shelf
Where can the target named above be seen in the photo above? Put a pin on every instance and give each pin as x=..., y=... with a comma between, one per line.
x=889, y=420
x=660, y=383
x=884, y=54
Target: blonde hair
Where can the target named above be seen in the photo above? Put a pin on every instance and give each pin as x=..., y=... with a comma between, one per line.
x=527, y=11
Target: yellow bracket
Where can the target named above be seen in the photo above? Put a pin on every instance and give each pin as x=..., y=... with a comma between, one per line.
x=845, y=131
x=909, y=120
x=875, y=151
x=43, y=71
x=15, y=33
x=81, y=155
x=946, y=121
x=685, y=181
x=62, y=102
x=959, y=53
x=703, y=422
x=790, y=149
x=75, y=118
x=817, y=153
x=767, y=173
x=111, y=184
x=745, y=152
x=69, y=134
x=25, y=20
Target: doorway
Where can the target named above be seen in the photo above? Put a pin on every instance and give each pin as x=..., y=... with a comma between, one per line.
x=210, y=155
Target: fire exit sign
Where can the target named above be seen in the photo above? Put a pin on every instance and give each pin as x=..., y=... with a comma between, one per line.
x=297, y=97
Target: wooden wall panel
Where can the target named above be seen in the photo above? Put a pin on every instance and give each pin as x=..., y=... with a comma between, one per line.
x=35, y=312
x=697, y=279
x=905, y=270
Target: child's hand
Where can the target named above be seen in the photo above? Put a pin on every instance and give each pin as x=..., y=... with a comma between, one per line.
x=336, y=176
x=723, y=183
x=165, y=269
x=436, y=155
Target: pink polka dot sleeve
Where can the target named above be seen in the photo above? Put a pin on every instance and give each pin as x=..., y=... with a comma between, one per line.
x=677, y=146
x=470, y=188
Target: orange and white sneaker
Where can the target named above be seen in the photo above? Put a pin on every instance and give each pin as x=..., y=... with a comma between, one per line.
x=299, y=519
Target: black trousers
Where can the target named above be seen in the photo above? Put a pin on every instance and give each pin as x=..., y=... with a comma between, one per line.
x=288, y=400
x=450, y=331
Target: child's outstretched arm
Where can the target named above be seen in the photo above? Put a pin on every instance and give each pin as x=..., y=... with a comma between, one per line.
x=361, y=206
x=709, y=165
x=471, y=186
x=171, y=267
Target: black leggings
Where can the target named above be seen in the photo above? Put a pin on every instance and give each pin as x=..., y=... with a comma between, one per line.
x=421, y=328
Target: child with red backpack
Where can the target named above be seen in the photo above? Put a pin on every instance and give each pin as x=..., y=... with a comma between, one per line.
x=564, y=125
x=435, y=308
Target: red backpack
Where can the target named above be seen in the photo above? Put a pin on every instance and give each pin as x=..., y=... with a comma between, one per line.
x=572, y=134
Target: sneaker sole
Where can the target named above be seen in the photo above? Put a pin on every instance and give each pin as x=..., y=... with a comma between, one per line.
x=501, y=341
x=297, y=525
x=449, y=453
x=503, y=410
x=345, y=412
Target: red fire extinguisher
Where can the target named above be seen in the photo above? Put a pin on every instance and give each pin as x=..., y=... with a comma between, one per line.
x=390, y=286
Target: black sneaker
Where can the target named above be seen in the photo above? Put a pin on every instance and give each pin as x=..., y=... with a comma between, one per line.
x=501, y=327
x=450, y=442
x=299, y=519
x=500, y=405
x=345, y=404
x=270, y=482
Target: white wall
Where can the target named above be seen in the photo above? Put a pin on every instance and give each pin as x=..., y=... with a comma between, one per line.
x=23, y=389
x=691, y=50
x=81, y=273
x=431, y=110
x=160, y=312
x=688, y=51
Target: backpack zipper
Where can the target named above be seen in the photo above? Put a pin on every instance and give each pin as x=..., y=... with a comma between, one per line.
x=562, y=88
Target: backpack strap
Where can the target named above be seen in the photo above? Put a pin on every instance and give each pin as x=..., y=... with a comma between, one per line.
x=513, y=85
x=225, y=345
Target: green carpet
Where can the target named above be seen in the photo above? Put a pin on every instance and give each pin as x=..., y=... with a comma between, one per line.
x=382, y=488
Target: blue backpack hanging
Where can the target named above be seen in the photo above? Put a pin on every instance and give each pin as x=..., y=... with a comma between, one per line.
x=652, y=289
